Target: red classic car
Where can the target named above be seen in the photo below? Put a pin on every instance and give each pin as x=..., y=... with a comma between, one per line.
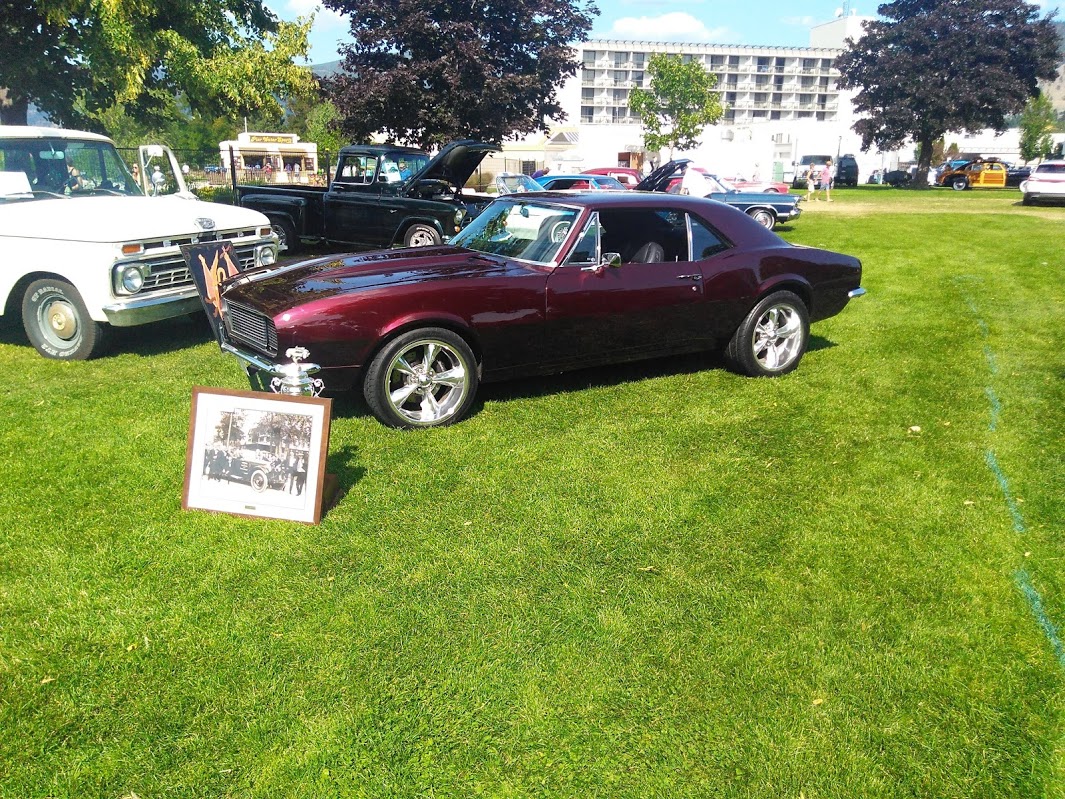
x=540, y=283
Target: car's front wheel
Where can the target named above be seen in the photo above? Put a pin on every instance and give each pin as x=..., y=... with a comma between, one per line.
x=763, y=217
x=423, y=378
x=772, y=338
x=959, y=184
x=58, y=323
x=287, y=240
x=421, y=236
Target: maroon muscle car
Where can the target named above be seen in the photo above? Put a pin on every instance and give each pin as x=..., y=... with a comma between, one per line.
x=540, y=283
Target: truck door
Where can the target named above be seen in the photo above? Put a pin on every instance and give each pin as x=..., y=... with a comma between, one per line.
x=353, y=201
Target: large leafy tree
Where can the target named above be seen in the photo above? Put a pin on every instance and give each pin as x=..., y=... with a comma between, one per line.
x=933, y=66
x=429, y=71
x=1038, y=121
x=681, y=101
x=77, y=58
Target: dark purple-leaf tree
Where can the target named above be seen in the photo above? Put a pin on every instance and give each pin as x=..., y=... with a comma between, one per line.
x=431, y=71
x=933, y=66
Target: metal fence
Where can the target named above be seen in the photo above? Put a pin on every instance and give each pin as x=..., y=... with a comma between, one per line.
x=205, y=168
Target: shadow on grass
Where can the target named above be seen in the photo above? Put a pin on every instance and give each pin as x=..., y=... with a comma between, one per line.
x=154, y=338
x=341, y=463
x=350, y=405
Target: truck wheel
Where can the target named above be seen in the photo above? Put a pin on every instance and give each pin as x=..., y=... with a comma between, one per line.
x=421, y=236
x=287, y=240
x=58, y=323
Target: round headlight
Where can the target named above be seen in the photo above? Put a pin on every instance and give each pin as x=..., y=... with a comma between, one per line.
x=132, y=279
x=459, y=213
x=267, y=256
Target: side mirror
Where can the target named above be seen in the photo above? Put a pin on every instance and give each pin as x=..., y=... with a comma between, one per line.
x=611, y=259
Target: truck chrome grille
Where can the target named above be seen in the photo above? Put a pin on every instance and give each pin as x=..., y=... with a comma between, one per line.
x=169, y=271
x=250, y=327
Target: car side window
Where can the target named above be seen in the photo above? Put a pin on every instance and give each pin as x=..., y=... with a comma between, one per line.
x=705, y=242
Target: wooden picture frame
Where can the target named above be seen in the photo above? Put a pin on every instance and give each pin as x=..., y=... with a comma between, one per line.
x=256, y=454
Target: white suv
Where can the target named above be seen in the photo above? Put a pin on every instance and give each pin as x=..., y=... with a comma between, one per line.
x=1046, y=182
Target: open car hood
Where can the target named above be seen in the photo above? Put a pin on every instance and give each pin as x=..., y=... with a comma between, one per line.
x=455, y=163
x=660, y=178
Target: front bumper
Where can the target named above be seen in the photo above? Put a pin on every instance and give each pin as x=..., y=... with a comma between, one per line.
x=141, y=310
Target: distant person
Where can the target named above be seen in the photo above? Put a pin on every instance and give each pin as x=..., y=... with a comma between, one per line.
x=828, y=177
x=539, y=173
x=813, y=183
x=136, y=174
x=185, y=169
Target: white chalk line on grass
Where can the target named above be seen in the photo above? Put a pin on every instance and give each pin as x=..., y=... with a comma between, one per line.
x=1021, y=578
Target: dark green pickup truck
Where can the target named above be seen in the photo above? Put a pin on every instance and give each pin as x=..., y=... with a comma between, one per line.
x=379, y=196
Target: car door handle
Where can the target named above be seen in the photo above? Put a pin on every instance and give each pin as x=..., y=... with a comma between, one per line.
x=690, y=277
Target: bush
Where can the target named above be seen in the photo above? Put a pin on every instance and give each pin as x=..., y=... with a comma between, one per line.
x=215, y=194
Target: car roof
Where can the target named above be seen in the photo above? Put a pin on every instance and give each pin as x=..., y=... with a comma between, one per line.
x=38, y=132
x=380, y=149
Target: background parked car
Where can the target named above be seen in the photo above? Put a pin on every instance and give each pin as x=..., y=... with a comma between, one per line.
x=1016, y=175
x=1047, y=182
x=625, y=175
x=580, y=183
x=741, y=183
x=847, y=171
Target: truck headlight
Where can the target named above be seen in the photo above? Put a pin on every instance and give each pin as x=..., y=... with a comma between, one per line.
x=267, y=255
x=131, y=279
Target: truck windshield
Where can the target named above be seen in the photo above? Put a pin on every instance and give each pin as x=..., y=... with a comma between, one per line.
x=43, y=168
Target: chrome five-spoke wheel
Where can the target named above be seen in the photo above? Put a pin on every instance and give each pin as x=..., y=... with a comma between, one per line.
x=424, y=378
x=772, y=338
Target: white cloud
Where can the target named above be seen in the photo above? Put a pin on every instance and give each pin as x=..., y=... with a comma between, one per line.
x=676, y=25
x=323, y=17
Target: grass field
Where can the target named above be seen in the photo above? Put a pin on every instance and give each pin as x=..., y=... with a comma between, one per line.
x=663, y=580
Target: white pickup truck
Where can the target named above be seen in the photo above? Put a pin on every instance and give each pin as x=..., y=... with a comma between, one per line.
x=84, y=248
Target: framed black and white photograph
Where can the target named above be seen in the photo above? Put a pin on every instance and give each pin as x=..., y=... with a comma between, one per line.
x=257, y=454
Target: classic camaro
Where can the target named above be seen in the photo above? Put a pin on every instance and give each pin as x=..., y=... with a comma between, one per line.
x=539, y=283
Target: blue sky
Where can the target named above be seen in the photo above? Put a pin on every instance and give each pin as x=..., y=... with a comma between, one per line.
x=760, y=22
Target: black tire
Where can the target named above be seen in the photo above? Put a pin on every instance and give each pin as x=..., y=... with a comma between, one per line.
x=959, y=184
x=421, y=236
x=772, y=338
x=1026, y=199
x=260, y=481
x=423, y=378
x=763, y=217
x=287, y=240
x=58, y=323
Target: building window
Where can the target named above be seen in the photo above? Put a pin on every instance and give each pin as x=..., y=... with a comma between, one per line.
x=638, y=60
x=774, y=115
x=734, y=62
x=587, y=114
x=620, y=75
x=620, y=59
x=717, y=61
x=619, y=114
x=589, y=58
x=637, y=78
x=587, y=94
x=621, y=96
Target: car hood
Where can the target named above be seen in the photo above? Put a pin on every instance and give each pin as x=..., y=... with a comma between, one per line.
x=456, y=163
x=278, y=290
x=660, y=178
x=104, y=219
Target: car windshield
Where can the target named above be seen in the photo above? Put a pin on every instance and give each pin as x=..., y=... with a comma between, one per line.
x=49, y=168
x=531, y=231
x=1044, y=169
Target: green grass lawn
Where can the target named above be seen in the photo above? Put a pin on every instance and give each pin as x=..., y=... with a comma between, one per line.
x=663, y=580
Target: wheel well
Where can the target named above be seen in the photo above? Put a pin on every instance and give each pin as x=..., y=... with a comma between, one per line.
x=464, y=333
x=13, y=306
x=801, y=290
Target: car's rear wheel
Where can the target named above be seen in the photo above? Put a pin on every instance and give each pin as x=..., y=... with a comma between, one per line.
x=772, y=338
x=58, y=323
x=421, y=236
x=959, y=184
x=763, y=217
x=423, y=378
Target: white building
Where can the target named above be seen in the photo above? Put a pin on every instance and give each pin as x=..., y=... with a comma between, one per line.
x=780, y=103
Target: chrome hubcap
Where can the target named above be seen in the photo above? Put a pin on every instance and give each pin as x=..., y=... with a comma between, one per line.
x=421, y=238
x=61, y=320
x=777, y=337
x=427, y=382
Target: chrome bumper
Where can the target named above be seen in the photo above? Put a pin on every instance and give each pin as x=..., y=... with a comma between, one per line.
x=251, y=360
x=141, y=310
x=858, y=292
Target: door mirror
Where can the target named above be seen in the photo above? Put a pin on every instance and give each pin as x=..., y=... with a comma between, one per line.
x=611, y=259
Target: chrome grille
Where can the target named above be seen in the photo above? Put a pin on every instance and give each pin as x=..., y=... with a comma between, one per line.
x=251, y=327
